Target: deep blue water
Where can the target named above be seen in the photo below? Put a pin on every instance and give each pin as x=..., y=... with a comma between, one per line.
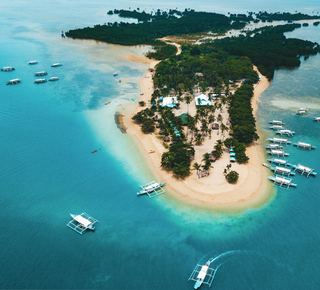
x=47, y=134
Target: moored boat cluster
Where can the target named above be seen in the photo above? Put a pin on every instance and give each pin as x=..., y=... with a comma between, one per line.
x=36, y=81
x=281, y=167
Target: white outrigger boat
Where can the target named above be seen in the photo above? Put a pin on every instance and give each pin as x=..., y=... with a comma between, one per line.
x=40, y=73
x=52, y=79
x=82, y=222
x=302, y=111
x=279, y=170
x=304, y=170
x=302, y=145
x=279, y=140
x=56, y=65
x=276, y=122
x=13, y=82
x=273, y=146
x=203, y=274
x=277, y=153
x=8, y=68
x=40, y=81
x=31, y=62
x=285, y=132
x=152, y=189
x=316, y=119
x=279, y=162
x=275, y=127
x=282, y=181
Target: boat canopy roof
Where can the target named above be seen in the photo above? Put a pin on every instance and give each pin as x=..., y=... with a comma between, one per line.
x=203, y=272
x=282, y=180
x=304, y=168
x=82, y=220
x=280, y=161
x=280, y=139
x=304, y=144
x=277, y=151
x=282, y=169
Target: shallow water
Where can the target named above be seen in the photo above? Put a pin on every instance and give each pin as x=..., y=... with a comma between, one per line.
x=48, y=132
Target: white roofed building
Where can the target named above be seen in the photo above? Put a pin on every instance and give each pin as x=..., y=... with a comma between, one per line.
x=202, y=100
x=170, y=102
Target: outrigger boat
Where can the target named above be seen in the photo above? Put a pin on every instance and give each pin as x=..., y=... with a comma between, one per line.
x=273, y=146
x=82, y=222
x=302, y=111
x=40, y=81
x=32, y=62
x=52, y=79
x=152, y=189
x=285, y=132
x=13, y=82
x=277, y=153
x=115, y=74
x=56, y=65
x=302, y=145
x=279, y=162
x=279, y=140
x=279, y=170
x=7, y=68
x=316, y=119
x=203, y=274
x=275, y=127
x=304, y=170
x=40, y=73
x=281, y=181
x=276, y=122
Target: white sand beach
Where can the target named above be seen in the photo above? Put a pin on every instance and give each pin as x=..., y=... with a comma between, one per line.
x=213, y=191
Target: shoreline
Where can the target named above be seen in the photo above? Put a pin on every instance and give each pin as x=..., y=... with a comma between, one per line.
x=212, y=192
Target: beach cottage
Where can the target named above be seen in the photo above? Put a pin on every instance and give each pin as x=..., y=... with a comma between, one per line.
x=170, y=102
x=202, y=100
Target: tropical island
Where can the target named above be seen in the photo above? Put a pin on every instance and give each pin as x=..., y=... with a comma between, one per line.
x=199, y=96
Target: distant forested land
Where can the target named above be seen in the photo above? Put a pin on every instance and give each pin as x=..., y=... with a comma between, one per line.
x=269, y=49
x=160, y=25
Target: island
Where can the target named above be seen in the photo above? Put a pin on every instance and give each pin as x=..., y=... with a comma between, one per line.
x=196, y=115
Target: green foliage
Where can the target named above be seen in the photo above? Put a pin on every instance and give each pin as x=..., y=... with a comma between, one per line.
x=178, y=159
x=162, y=52
x=232, y=176
x=230, y=142
x=143, y=115
x=269, y=49
x=180, y=72
x=242, y=158
x=142, y=103
x=194, y=51
x=156, y=26
x=148, y=126
x=242, y=119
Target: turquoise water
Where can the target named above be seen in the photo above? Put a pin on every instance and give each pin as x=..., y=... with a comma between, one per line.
x=47, y=171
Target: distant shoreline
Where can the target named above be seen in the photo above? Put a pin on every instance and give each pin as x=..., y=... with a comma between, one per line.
x=213, y=192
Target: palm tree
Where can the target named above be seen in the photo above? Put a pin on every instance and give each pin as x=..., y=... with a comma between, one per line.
x=206, y=157
x=196, y=166
x=188, y=101
x=224, y=128
x=219, y=119
x=204, y=126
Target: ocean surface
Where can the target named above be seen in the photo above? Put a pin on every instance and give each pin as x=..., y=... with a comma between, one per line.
x=47, y=134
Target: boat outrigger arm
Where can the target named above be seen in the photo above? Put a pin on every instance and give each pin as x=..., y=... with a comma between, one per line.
x=152, y=189
x=80, y=223
x=203, y=274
